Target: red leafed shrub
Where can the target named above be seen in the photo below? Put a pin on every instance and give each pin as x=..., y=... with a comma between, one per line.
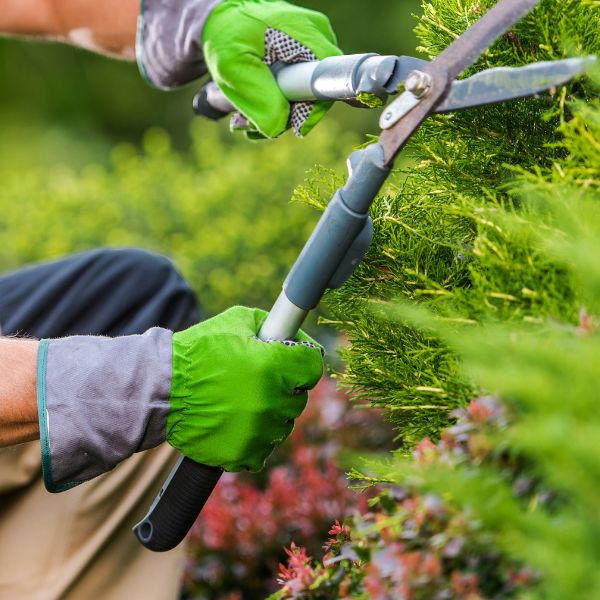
x=238, y=542
x=413, y=545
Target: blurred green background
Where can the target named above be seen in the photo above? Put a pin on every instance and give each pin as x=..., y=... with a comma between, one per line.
x=90, y=155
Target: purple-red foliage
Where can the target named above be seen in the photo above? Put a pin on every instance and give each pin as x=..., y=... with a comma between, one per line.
x=411, y=544
x=239, y=540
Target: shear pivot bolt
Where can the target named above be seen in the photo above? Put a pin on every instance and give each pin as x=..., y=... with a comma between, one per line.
x=418, y=82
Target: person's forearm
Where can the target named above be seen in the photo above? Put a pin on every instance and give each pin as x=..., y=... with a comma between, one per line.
x=108, y=27
x=18, y=404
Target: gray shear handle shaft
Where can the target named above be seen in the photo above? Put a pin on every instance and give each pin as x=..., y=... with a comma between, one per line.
x=293, y=80
x=284, y=320
x=177, y=505
x=190, y=484
x=334, y=78
x=329, y=256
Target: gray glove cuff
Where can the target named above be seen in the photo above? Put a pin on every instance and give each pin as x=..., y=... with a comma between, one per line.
x=169, y=40
x=99, y=401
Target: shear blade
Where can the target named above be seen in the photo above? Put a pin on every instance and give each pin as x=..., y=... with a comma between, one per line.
x=506, y=83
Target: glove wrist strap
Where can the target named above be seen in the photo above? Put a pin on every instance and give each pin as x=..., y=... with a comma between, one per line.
x=99, y=401
x=169, y=41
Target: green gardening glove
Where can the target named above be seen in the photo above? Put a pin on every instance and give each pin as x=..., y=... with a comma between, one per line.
x=215, y=392
x=241, y=38
x=234, y=397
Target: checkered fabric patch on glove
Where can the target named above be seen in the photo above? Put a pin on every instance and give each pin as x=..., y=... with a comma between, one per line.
x=242, y=39
x=280, y=47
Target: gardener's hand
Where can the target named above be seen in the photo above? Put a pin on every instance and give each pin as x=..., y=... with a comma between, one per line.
x=233, y=397
x=238, y=40
x=215, y=392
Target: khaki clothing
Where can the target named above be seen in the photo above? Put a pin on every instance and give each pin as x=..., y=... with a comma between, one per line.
x=78, y=545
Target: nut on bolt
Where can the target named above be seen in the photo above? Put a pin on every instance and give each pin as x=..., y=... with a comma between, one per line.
x=418, y=82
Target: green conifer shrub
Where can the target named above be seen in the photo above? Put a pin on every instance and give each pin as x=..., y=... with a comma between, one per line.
x=438, y=239
x=484, y=276
x=505, y=504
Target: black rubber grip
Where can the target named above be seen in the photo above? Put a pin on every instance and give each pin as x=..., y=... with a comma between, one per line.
x=177, y=505
x=203, y=108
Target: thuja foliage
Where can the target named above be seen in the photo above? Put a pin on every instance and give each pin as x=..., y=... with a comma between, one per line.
x=439, y=240
x=505, y=503
x=547, y=372
x=504, y=297
x=221, y=210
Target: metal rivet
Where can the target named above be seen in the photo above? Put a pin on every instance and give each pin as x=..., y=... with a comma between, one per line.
x=418, y=82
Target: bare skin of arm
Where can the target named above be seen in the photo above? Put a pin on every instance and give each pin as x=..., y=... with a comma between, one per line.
x=106, y=27
x=18, y=405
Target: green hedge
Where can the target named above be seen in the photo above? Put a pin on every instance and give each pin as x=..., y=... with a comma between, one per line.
x=439, y=237
x=484, y=280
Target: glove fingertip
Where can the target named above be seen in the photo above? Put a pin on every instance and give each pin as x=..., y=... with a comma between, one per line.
x=323, y=24
x=314, y=367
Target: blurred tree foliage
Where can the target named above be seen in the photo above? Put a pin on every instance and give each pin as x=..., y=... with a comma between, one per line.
x=221, y=210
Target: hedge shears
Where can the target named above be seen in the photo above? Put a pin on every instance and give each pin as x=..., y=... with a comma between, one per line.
x=343, y=234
